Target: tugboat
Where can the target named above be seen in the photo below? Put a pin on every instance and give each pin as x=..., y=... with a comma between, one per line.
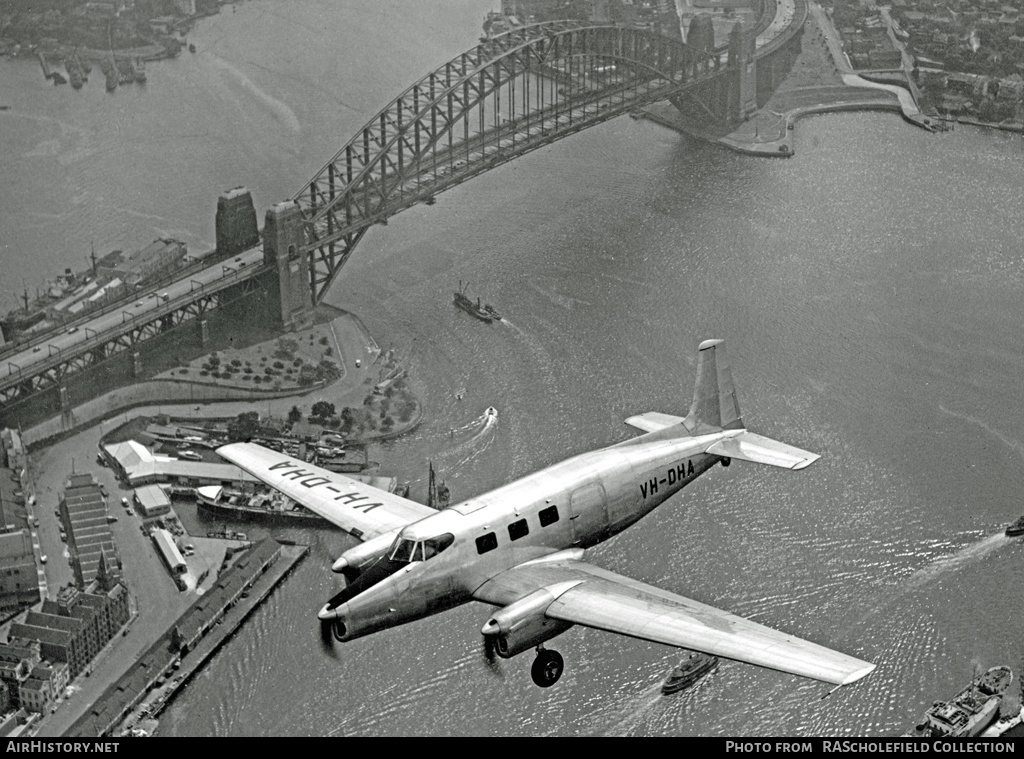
x=689, y=670
x=970, y=711
x=471, y=308
x=1015, y=529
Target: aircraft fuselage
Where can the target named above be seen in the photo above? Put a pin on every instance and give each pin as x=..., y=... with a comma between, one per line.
x=577, y=503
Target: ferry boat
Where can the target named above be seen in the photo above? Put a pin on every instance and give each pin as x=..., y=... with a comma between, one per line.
x=970, y=711
x=1015, y=529
x=471, y=308
x=688, y=671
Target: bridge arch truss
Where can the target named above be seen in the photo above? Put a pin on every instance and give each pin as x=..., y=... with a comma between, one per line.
x=507, y=96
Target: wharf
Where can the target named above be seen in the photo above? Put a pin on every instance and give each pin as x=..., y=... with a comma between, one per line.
x=130, y=700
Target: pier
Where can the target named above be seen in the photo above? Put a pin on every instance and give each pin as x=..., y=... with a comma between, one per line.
x=167, y=666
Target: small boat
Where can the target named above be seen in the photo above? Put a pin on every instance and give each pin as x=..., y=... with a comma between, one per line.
x=191, y=47
x=688, y=671
x=490, y=413
x=474, y=309
x=1015, y=529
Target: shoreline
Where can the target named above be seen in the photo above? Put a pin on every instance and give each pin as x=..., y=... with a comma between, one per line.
x=212, y=400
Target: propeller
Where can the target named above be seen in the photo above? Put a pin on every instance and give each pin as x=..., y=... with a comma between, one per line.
x=491, y=656
x=327, y=638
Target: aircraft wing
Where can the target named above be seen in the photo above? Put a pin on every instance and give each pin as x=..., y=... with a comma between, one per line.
x=361, y=510
x=587, y=595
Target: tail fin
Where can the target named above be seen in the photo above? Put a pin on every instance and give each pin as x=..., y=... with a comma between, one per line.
x=715, y=406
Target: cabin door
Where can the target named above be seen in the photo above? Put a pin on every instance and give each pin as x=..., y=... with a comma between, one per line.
x=588, y=512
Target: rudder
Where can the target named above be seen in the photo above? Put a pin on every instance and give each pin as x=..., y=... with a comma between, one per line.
x=715, y=406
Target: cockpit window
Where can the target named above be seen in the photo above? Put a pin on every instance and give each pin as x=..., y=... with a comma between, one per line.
x=405, y=550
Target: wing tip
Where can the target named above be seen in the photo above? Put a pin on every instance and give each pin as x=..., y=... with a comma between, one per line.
x=806, y=462
x=859, y=673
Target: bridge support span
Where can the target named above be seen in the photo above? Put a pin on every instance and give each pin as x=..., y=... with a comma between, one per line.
x=283, y=236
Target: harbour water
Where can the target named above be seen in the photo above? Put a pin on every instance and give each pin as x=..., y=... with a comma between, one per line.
x=868, y=288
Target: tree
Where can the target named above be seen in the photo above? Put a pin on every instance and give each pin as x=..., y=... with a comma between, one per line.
x=323, y=409
x=244, y=427
x=294, y=415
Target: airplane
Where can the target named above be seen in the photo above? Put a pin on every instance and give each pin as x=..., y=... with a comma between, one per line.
x=521, y=547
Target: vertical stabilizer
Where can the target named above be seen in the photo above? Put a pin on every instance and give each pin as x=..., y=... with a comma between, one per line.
x=715, y=405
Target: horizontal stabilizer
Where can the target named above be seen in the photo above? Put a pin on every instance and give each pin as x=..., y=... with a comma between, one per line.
x=652, y=421
x=748, y=446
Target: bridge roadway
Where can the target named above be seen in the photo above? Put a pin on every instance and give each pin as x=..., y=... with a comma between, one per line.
x=53, y=350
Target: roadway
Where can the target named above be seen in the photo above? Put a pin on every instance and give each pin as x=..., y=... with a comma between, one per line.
x=53, y=348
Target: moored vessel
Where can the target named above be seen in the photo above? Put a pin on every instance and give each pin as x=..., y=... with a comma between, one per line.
x=688, y=671
x=233, y=504
x=970, y=711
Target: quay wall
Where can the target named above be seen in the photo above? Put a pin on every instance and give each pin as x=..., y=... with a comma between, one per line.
x=125, y=695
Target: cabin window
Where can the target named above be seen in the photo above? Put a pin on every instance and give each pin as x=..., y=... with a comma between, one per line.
x=518, y=530
x=486, y=543
x=548, y=516
x=434, y=546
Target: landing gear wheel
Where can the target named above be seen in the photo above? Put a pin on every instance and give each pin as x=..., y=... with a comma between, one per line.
x=547, y=668
x=726, y=461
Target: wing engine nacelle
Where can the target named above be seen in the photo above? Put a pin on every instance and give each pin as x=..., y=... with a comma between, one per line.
x=355, y=560
x=522, y=625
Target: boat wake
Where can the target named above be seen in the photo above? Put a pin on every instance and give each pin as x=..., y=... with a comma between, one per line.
x=938, y=568
x=279, y=110
x=967, y=555
x=1013, y=445
x=474, y=437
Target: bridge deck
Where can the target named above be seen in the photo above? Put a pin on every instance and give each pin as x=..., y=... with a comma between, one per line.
x=51, y=354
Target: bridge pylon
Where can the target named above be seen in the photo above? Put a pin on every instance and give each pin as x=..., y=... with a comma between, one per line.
x=742, y=52
x=282, y=244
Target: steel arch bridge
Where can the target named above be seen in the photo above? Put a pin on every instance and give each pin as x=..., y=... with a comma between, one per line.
x=507, y=96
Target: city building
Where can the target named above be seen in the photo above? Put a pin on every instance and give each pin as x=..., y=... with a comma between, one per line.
x=172, y=557
x=71, y=630
x=137, y=465
x=19, y=580
x=159, y=257
x=152, y=501
x=84, y=515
